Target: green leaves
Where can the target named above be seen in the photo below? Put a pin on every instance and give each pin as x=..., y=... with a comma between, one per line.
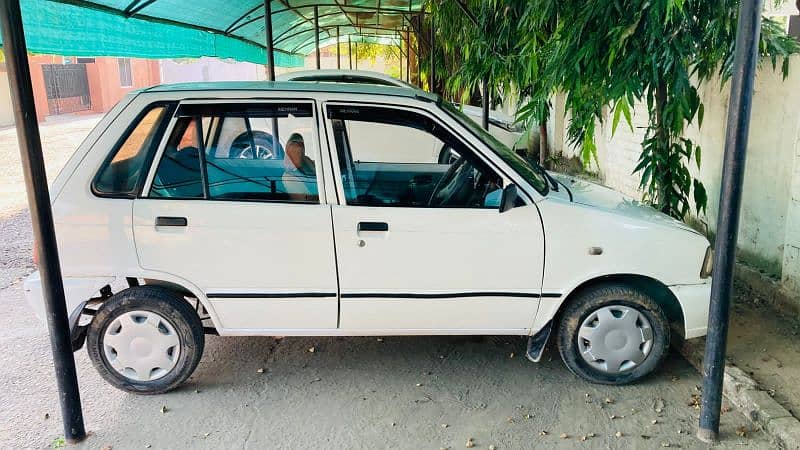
x=606, y=53
x=621, y=107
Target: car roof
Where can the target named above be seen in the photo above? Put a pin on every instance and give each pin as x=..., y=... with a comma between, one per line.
x=327, y=74
x=294, y=86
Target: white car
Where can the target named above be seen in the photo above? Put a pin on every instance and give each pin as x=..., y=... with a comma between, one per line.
x=502, y=126
x=171, y=223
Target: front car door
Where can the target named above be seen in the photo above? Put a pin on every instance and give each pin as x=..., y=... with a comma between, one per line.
x=242, y=217
x=420, y=243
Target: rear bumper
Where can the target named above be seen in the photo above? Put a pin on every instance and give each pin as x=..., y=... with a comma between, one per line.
x=76, y=291
x=694, y=300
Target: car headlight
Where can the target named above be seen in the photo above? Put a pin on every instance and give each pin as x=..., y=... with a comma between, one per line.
x=708, y=263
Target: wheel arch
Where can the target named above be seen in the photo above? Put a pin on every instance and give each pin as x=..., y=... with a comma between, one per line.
x=654, y=288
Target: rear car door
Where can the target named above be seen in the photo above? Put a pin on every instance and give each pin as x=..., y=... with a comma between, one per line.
x=243, y=217
x=420, y=242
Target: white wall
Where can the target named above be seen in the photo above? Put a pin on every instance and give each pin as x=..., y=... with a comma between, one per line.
x=209, y=69
x=6, y=110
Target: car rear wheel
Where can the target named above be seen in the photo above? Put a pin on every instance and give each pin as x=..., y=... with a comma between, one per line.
x=145, y=340
x=613, y=334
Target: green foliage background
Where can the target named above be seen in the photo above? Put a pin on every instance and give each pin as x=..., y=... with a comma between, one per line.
x=605, y=54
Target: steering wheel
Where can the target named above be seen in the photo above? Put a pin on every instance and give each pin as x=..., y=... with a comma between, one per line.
x=456, y=186
x=242, y=147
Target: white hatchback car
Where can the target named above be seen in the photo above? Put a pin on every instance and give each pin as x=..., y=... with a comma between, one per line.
x=299, y=209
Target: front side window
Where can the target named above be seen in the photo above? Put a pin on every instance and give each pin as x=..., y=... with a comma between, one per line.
x=393, y=157
x=119, y=176
x=240, y=152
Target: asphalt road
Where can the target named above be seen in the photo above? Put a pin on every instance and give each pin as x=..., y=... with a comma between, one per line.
x=398, y=392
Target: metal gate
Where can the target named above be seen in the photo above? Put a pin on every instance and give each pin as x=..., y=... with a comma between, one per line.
x=67, y=88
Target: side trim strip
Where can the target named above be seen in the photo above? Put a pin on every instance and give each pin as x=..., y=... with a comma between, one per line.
x=447, y=295
x=272, y=295
x=380, y=295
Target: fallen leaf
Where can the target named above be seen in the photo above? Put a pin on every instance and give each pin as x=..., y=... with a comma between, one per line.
x=419, y=384
x=543, y=433
x=261, y=370
x=618, y=434
x=46, y=415
x=492, y=447
x=741, y=431
x=163, y=409
x=654, y=421
x=591, y=435
x=694, y=401
x=511, y=355
x=609, y=401
x=470, y=443
x=510, y=419
x=583, y=438
x=205, y=435
x=312, y=349
x=444, y=425
x=564, y=436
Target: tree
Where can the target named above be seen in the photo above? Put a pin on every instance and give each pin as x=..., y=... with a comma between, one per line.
x=608, y=54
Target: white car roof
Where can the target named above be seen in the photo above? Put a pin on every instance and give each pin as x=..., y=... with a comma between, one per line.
x=344, y=76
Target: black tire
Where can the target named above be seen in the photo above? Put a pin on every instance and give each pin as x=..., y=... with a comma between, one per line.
x=595, y=298
x=171, y=307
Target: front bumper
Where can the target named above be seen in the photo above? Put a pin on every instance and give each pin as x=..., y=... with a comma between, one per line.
x=694, y=300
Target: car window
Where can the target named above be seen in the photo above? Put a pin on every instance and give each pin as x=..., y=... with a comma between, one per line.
x=395, y=157
x=120, y=175
x=245, y=153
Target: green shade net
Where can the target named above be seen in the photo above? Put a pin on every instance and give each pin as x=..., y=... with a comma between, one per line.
x=218, y=28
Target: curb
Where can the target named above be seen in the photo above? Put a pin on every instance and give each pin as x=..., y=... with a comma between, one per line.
x=745, y=394
x=780, y=299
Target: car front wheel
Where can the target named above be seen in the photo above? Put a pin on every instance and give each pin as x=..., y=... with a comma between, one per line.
x=613, y=334
x=145, y=340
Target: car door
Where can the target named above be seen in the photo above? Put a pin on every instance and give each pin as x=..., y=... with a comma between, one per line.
x=242, y=217
x=421, y=245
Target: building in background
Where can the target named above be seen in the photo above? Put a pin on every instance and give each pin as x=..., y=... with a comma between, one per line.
x=77, y=85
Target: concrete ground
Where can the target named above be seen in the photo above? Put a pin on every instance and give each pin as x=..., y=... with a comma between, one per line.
x=398, y=392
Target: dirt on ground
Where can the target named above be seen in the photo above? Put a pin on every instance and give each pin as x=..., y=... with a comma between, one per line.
x=764, y=343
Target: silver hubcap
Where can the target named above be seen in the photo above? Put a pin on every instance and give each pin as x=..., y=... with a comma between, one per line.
x=141, y=345
x=615, y=339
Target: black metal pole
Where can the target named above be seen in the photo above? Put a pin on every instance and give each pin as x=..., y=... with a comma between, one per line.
x=270, y=49
x=741, y=97
x=316, y=33
x=30, y=148
x=408, y=56
x=432, y=75
x=350, y=51
x=338, y=50
x=356, y=55
x=485, y=103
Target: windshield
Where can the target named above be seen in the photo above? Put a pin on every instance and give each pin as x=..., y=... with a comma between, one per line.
x=532, y=173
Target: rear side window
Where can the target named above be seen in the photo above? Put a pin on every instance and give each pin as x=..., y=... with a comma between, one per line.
x=121, y=173
x=245, y=152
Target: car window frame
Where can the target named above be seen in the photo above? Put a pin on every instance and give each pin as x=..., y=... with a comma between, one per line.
x=477, y=152
x=227, y=102
x=163, y=126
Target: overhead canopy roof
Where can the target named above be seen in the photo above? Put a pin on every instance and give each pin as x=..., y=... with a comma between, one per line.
x=222, y=28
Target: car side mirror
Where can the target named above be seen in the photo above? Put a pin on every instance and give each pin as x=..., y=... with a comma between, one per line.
x=509, y=198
